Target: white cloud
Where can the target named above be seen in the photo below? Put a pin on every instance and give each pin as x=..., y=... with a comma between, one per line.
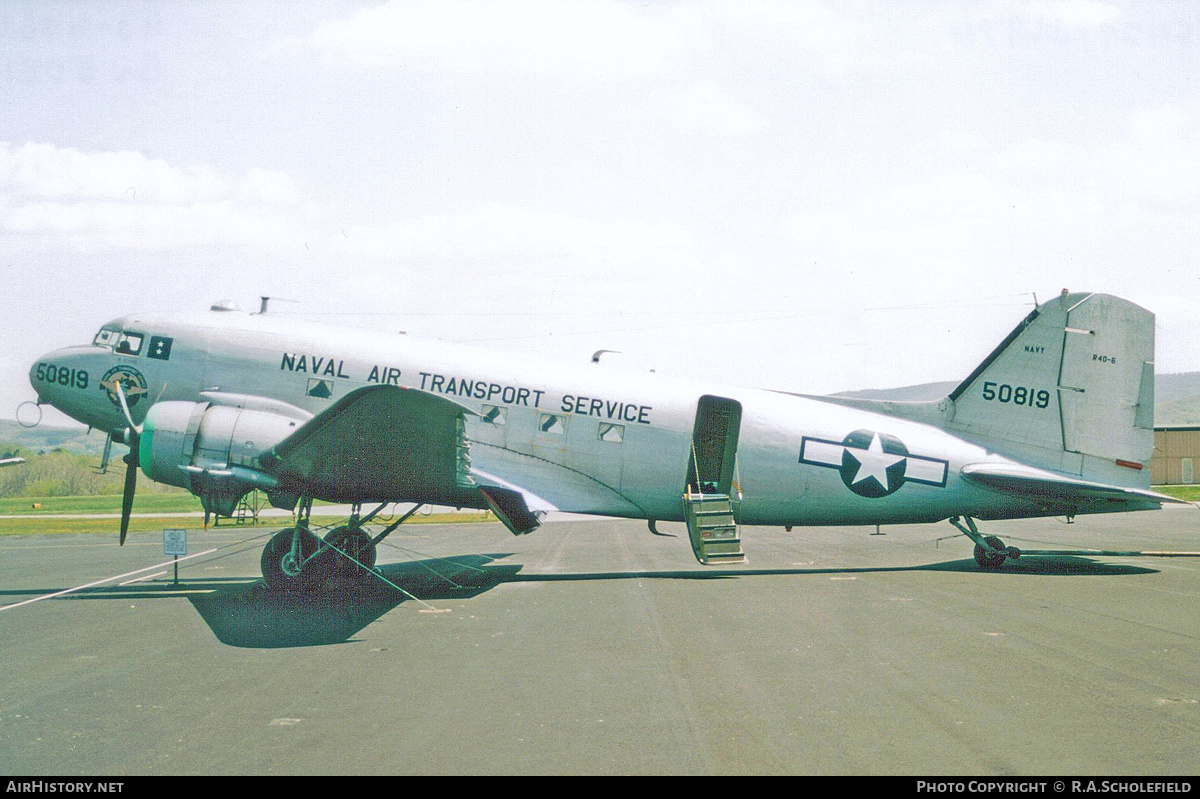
x=477, y=36
x=599, y=38
x=1033, y=154
x=938, y=220
x=496, y=230
x=783, y=31
x=1155, y=126
x=51, y=194
x=963, y=228
x=268, y=186
x=1157, y=165
x=99, y=225
x=708, y=108
x=46, y=171
x=1074, y=12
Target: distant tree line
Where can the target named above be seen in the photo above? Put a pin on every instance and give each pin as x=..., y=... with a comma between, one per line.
x=61, y=473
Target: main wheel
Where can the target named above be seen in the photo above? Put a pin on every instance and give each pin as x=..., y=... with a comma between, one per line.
x=989, y=560
x=285, y=570
x=354, y=542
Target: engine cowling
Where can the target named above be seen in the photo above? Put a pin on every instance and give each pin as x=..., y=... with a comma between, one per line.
x=211, y=449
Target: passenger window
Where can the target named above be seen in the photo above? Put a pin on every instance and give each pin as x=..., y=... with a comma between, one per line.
x=552, y=424
x=612, y=433
x=494, y=415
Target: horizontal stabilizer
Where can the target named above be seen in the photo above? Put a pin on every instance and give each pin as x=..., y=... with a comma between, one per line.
x=1040, y=484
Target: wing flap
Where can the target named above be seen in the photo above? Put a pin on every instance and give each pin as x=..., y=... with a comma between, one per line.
x=512, y=509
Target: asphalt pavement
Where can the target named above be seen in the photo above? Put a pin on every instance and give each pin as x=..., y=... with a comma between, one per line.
x=594, y=647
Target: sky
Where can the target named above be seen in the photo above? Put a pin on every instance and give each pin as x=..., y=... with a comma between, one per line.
x=809, y=196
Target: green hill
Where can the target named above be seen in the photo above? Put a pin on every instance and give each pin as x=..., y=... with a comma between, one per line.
x=43, y=438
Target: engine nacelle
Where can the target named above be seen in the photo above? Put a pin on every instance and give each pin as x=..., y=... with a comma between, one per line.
x=211, y=449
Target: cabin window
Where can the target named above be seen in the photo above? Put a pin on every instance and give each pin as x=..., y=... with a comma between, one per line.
x=494, y=415
x=128, y=344
x=613, y=433
x=552, y=424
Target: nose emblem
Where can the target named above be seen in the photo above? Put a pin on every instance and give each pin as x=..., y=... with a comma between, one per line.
x=130, y=380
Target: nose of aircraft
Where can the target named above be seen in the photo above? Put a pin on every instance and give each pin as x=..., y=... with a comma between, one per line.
x=67, y=379
x=57, y=371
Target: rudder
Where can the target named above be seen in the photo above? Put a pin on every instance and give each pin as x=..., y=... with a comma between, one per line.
x=1070, y=389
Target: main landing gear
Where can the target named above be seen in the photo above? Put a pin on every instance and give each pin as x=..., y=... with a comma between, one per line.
x=295, y=559
x=990, y=551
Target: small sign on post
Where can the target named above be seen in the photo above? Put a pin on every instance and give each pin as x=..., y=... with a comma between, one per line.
x=175, y=543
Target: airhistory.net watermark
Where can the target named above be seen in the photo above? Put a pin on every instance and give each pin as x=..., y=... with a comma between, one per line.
x=51, y=786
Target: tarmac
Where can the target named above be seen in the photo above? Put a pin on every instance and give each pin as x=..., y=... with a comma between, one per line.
x=595, y=647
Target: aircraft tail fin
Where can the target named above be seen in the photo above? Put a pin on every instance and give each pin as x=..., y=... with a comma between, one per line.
x=1070, y=389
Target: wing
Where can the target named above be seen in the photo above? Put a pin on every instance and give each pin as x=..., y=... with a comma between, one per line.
x=380, y=443
x=1058, y=490
x=389, y=443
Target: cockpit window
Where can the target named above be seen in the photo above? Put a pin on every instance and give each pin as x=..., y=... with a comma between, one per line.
x=122, y=343
x=128, y=343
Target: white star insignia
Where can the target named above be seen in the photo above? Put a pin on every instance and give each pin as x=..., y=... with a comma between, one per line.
x=873, y=462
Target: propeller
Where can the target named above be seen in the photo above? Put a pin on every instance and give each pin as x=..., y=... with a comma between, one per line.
x=133, y=435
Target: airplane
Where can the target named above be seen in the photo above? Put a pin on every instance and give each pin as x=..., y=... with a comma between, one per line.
x=1057, y=421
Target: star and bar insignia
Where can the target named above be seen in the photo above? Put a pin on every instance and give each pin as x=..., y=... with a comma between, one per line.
x=873, y=464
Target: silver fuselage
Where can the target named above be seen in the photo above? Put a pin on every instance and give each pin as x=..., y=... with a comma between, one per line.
x=638, y=470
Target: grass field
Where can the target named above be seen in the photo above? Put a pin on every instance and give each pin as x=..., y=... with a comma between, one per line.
x=156, y=524
x=175, y=502
x=104, y=510
x=1189, y=493
x=102, y=525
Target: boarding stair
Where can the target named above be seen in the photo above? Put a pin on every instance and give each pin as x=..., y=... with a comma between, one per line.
x=712, y=528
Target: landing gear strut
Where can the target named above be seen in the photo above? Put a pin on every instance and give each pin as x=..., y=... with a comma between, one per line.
x=990, y=552
x=295, y=559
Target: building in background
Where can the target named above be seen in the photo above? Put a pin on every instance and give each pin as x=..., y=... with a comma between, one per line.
x=1176, y=454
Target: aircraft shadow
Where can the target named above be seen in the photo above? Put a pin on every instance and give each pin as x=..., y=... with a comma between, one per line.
x=1050, y=565
x=258, y=617
x=254, y=616
x=247, y=614
x=1038, y=564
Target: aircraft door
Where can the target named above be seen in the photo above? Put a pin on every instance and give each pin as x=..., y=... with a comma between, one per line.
x=714, y=446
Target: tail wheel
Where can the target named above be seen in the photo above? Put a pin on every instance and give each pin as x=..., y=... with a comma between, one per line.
x=991, y=560
x=353, y=541
x=288, y=570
